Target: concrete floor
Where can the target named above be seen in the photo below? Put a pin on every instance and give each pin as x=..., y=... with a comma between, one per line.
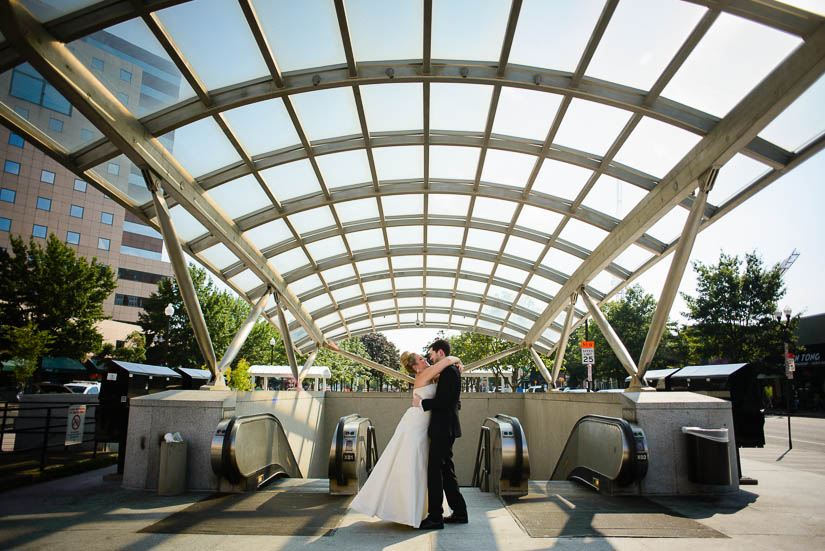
x=786, y=510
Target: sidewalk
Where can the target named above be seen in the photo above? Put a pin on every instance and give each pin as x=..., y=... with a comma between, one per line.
x=785, y=511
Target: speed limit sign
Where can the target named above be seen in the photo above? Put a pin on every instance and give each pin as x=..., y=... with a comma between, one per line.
x=588, y=352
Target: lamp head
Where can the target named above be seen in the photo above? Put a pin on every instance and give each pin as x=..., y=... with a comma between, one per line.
x=787, y=310
x=272, y=341
x=169, y=310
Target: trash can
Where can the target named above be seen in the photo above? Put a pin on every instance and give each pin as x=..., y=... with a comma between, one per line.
x=708, y=455
x=172, y=469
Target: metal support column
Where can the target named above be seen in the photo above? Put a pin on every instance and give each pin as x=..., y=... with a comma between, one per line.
x=565, y=335
x=287, y=338
x=493, y=357
x=307, y=365
x=676, y=271
x=542, y=368
x=371, y=364
x=243, y=333
x=613, y=340
x=187, y=289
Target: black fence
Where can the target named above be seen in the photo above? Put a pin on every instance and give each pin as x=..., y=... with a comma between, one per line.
x=32, y=430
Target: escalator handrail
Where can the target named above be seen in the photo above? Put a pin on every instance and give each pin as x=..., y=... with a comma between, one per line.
x=627, y=430
x=339, y=448
x=518, y=436
x=228, y=451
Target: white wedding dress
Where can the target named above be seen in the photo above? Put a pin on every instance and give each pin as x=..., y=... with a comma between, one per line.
x=396, y=490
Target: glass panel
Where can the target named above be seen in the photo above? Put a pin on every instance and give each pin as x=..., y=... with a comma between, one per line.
x=469, y=286
x=561, y=179
x=345, y=271
x=625, y=55
x=714, y=83
x=633, y=257
x=452, y=205
x=308, y=283
x=185, y=224
x=561, y=261
x=130, y=48
x=737, y=173
x=240, y=197
x=478, y=266
x=438, y=282
x=443, y=262
x=466, y=305
x=453, y=162
x=501, y=293
x=391, y=107
x=538, y=219
x=511, y=274
x=399, y=163
x=655, y=147
x=385, y=320
x=591, y=127
x=489, y=325
x=510, y=169
x=438, y=318
x=317, y=303
x=219, y=256
x=189, y=143
x=302, y=34
x=344, y=169
x=46, y=10
x=534, y=305
x=462, y=321
x=291, y=180
x=613, y=196
x=461, y=107
x=438, y=302
x=525, y=113
x=327, y=113
x=604, y=282
x=520, y=321
x=364, y=324
x=289, y=260
x=405, y=235
x=544, y=285
x=365, y=239
x=194, y=27
x=268, y=234
x=399, y=205
x=409, y=261
x=801, y=121
x=330, y=319
x=410, y=302
x=409, y=283
x=494, y=209
x=381, y=305
x=346, y=293
x=263, y=127
x=376, y=265
x=483, y=239
x=246, y=281
x=493, y=312
x=360, y=209
x=381, y=30
x=354, y=311
x=523, y=248
x=670, y=226
x=461, y=33
x=326, y=248
x=377, y=286
x=408, y=318
x=311, y=220
x=583, y=234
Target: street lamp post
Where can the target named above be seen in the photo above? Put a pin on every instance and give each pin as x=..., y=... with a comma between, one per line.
x=271, y=350
x=789, y=368
x=169, y=311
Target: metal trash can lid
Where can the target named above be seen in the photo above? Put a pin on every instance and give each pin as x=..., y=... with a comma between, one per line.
x=717, y=435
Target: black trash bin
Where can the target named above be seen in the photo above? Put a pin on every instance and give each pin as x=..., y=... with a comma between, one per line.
x=708, y=455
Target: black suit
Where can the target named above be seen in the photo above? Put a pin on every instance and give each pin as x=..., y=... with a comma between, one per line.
x=444, y=429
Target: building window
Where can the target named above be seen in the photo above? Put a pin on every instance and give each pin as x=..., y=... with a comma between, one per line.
x=27, y=84
x=97, y=64
x=141, y=277
x=103, y=243
x=16, y=140
x=55, y=124
x=124, y=98
x=47, y=176
x=5, y=224
x=80, y=185
x=72, y=237
x=86, y=135
x=77, y=212
x=113, y=168
x=7, y=195
x=107, y=218
x=129, y=300
x=22, y=111
x=39, y=231
x=125, y=75
x=44, y=204
x=12, y=168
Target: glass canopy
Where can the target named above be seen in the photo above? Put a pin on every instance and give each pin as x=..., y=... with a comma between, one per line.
x=446, y=163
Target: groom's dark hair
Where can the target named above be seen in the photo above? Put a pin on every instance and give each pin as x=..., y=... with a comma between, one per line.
x=441, y=344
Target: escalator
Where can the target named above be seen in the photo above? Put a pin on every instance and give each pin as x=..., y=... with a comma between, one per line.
x=502, y=464
x=352, y=454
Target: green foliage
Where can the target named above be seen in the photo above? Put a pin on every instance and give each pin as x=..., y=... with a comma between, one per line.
x=471, y=347
x=379, y=349
x=133, y=350
x=733, y=312
x=59, y=291
x=27, y=344
x=239, y=378
x=343, y=370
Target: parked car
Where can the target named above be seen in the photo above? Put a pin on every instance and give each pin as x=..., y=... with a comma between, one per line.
x=45, y=388
x=83, y=388
x=536, y=388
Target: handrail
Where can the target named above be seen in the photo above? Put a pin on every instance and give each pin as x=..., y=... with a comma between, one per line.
x=482, y=453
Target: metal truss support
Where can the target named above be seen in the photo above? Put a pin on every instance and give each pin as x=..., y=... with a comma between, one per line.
x=287, y=338
x=561, y=348
x=371, y=364
x=187, y=288
x=613, y=340
x=307, y=365
x=243, y=333
x=494, y=357
x=676, y=271
x=542, y=368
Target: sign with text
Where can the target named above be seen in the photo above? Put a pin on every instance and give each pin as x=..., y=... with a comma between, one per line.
x=588, y=352
x=790, y=365
x=75, y=420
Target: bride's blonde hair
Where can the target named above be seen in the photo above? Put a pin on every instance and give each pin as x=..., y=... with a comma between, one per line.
x=408, y=362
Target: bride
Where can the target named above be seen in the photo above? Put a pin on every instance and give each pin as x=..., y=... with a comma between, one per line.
x=396, y=490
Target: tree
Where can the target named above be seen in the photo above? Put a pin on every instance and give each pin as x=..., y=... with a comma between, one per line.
x=733, y=312
x=60, y=292
x=471, y=347
x=342, y=369
x=379, y=349
x=133, y=349
x=238, y=377
x=27, y=344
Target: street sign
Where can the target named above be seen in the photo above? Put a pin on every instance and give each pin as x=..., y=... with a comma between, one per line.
x=588, y=352
x=790, y=366
x=75, y=419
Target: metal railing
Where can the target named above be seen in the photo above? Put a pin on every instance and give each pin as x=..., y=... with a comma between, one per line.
x=40, y=427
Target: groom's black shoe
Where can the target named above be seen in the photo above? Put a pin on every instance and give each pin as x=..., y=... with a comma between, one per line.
x=456, y=519
x=431, y=524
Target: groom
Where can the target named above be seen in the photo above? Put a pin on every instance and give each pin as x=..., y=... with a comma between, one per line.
x=444, y=429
